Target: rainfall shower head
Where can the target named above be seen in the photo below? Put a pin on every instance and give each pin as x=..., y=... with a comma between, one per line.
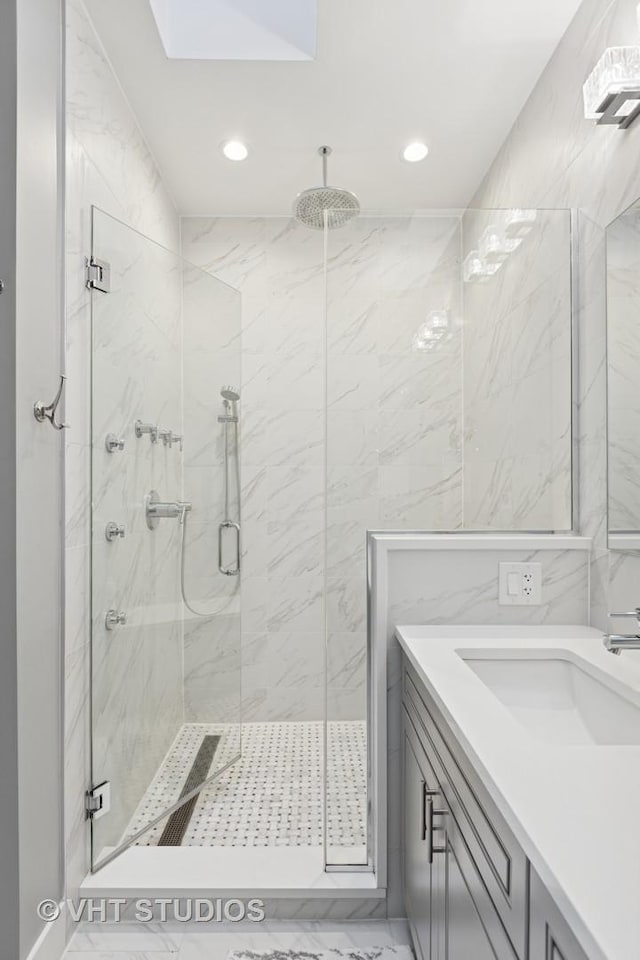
x=230, y=393
x=333, y=204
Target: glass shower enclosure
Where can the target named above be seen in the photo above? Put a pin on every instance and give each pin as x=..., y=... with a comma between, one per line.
x=166, y=583
x=399, y=373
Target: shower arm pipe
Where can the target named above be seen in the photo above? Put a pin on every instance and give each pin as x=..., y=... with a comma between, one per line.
x=325, y=151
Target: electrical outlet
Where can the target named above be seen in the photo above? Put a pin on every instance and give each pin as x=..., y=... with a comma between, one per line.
x=520, y=584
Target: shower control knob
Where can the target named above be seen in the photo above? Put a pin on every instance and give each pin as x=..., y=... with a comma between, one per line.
x=113, y=443
x=113, y=530
x=141, y=428
x=115, y=618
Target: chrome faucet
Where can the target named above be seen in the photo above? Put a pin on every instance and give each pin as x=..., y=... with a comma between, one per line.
x=616, y=642
x=156, y=509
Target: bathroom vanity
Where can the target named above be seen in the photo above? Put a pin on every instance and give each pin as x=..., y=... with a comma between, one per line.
x=516, y=740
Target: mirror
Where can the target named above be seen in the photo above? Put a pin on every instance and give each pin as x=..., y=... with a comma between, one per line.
x=623, y=393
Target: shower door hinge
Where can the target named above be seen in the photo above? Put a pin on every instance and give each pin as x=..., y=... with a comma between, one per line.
x=98, y=274
x=97, y=801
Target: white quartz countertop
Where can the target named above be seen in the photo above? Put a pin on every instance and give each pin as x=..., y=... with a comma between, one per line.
x=574, y=809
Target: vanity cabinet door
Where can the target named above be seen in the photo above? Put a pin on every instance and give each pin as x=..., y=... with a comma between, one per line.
x=550, y=937
x=416, y=866
x=466, y=925
x=465, y=936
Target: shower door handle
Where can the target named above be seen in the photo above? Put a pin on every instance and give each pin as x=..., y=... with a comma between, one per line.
x=226, y=525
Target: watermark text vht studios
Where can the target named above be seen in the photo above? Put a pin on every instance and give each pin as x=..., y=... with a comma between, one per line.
x=159, y=909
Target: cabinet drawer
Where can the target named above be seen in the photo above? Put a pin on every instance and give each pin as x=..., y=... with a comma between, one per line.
x=495, y=851
x=550, y=937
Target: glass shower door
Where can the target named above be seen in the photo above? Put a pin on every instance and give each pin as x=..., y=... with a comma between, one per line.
x=165, y=685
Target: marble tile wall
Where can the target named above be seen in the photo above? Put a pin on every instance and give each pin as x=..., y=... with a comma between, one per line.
x=553, y=157
x=394, y=413
x=278, y=269
x=517, y=379
x=211, y=358
x=392, y=448
x=107, y=164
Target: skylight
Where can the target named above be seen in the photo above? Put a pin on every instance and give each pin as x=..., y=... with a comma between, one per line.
x=237, y=29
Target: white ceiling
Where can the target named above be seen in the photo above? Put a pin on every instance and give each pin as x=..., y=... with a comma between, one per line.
x=454, y=73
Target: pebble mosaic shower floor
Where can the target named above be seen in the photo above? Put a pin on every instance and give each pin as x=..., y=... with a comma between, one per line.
x=272, y=796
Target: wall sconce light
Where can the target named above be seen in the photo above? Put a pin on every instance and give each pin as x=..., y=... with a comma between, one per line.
x=612, y=91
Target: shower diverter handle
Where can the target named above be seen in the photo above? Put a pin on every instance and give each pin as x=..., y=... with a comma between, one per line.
x=226, y=525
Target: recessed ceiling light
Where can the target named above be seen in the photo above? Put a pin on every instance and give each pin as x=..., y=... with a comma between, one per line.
x=235, y=150
x=415, y=151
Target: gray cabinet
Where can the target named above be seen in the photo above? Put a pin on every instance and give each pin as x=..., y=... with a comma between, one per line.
x=549, y=935
x=470, y=893
x=450, y=913
x=464, y=935
x=416, y=866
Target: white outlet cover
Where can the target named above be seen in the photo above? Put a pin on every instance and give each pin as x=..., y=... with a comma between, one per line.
x=520, y=584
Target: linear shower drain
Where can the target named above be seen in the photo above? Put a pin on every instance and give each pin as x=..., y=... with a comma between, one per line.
x=177, y=824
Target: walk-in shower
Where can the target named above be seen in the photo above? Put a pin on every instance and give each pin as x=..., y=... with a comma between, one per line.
x=189, y=754
x=246, y=687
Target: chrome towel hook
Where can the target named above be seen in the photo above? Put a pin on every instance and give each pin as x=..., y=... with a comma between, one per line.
x=47, y=411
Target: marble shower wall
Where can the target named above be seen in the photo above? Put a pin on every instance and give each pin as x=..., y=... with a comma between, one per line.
x=394, y=413
x=278, y=270
x=211, y=358
x=107, y=164
x=392, y=448
x=553, y=157
x=517, y=379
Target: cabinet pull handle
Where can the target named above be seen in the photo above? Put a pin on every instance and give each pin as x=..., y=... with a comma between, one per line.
x=426, y=793
x=431, y=813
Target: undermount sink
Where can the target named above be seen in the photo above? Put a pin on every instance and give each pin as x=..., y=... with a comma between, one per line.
x=556, y=700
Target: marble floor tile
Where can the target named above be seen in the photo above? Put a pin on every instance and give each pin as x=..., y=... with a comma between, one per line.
x=273, y=795
x=374, y=939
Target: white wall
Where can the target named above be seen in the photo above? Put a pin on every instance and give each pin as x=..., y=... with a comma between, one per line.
x=554, y=157
x=32, y=465
x=9, y=799
x=108, y=164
